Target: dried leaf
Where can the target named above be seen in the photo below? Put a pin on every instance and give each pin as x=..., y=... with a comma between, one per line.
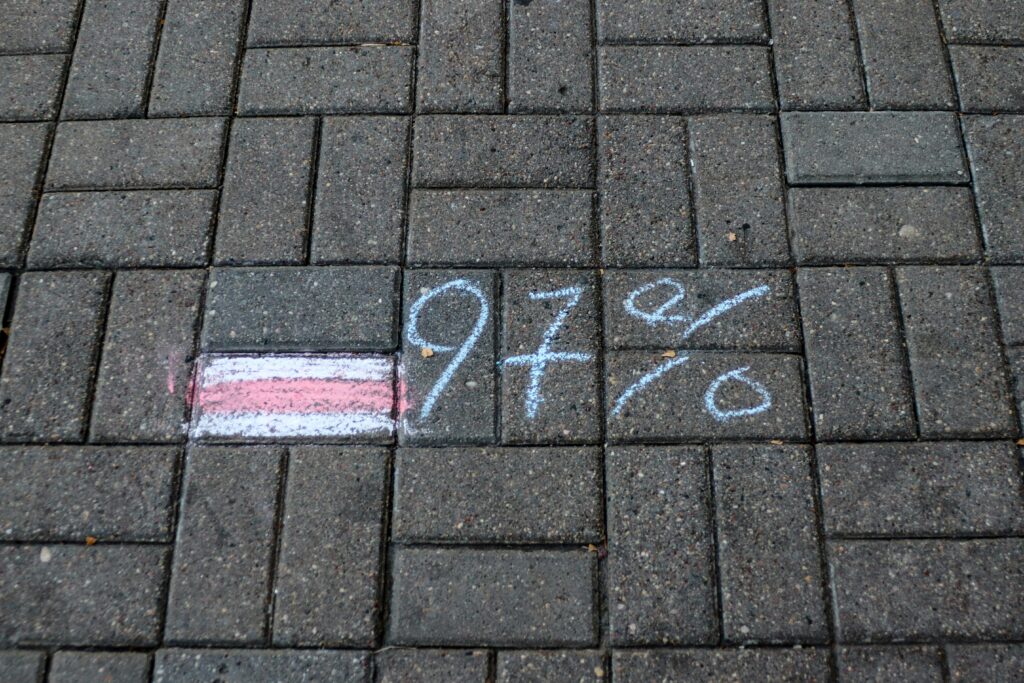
x=776, y=442
x=731, y=236
x=669, y=354
x=90, y=540
x=426, y=352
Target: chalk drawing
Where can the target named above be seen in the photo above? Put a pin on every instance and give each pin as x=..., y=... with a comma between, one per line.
x=645, y=380
x=660, y=315
x=737, y=375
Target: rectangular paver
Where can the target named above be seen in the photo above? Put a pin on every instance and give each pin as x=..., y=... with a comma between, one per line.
x=30, y=86
x=989, y=21
x=31, y=26
x=401, y=664
x=995, y=145
x=22, y=666
x=889, y=663
x=313, y=22
x=685, y=21
x=87, y=667
x=261, y=666
x=549, y=57
x=989, y=79
x=549, y=665
x=1009, y=286
x=21, y=146
x=741, y=664
x=1002, y=662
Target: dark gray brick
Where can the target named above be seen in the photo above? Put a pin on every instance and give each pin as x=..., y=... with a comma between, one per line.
x=1009, y=284
x=563, y=404
x=661, y=576
x=841, y=225
x=21, y=147
x=960, y=379
x=928, y=589
x=33, y=26
x=989, y=78
x=66, y=493
x=30, y=86
x=458, y=596
x=195, y=70
x=498, y=495
x=645, y=205
x=866, y=148
x=117, y=229
x=503, y=151
x=740, y=664
x=995, y=145
x=541, y=666
x=406, y=665
x=136, y=154
x=910, y=663
x=1016, y=359
x=312, y=22
x=325, y=80
x=147, y=351
x=48, y=368
x=684, y=79
x=535, y=227
x=333, y=512
x=856, y=363
x=264, y=204
x=103, y=595
x=261, y=666
x=222, y=558
x=686, y=21
x=360, y=190
x=5, y=286
x=995, y=663
x=22, y=666
x=904, y=56
x=99, y=667
x=549, y=56
x=110, y=66
x=333, y=308
x=769, y=564
x=985, y=21
x=817, y=62
x=737, y=191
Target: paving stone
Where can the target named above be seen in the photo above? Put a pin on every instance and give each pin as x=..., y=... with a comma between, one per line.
x=1009, y=285
x=22, y=146
x=996, y=663
x=535, y=227
x=312, y=22
x=110, y=67
x=870, y=148
x=333, y=515
x=360, y=191
x=769, y=564
x=325, y=80
x=987, y=21
x=333, y=308
x=989, y=78
x=904, y=56
x=540, y=666
x=104, y=595
x=544, y=399
x=195, y=70
x=407, y=665
x=928, y=589
x=689, y=21
x=503, y=151
x=502, y=597
x=911, y=663
x=461, y=65
x=995, y=145
x=673, y=407
x=136, y=154
x=223, y=554
x=147, y=351
x=1016, y=360
x=30, y=86
x=817, y=61
x=921, y=489
x=99, y=667
x=684, y=79
x=737, y=191
x=856, y=363
x=48, y=368
x=842, y=225
x=498, y=495
x=766, y=322
x=56, y=493
x=741, y=664
x=22, y=666
x=5, y=286
x=261, y=666
x=33, y=26
x=123, y=229
x=264, y=207
x=549, y=57
x=960, y=378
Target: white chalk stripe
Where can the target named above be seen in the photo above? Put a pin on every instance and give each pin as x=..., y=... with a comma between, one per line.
x=218, y=369
x=273, y=425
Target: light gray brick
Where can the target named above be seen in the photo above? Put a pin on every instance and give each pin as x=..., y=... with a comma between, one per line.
x=549, y=56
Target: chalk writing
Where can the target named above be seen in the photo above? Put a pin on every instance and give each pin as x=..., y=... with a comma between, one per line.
x=645, y=380
x=661, y=315
x=711, y=404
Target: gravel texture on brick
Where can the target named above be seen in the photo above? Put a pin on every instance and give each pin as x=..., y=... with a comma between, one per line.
x=989, y=79
x=409, y=665
x=89, y=667
x=30, y=86
x=314, y=22
x=889, y=663
x=32, y=26
x=22, y=146
x=999, y=663
x=675, y=21
x=989, y=21
x=995, y=145
x=261, y=666
x=537, y=666
x=1009, y=290
x=549, y=57
x=639, y=666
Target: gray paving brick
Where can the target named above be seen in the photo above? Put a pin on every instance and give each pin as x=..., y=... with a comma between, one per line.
x=928, y=589
x=535, y=227
x=684, y=79
x=48, y=367
x=1009, y=284
x=122, y=229
x=33, y=26
x=960, y=379
x=869, y=148
x=136, y=154
x=989, y=78
x=817, y=62
x=325, y=80
x=638, y=666
x=737, y=191
x=673, y=407
x=1016, y=359
x=540, y=666
x=766, y=322
x=30, y=86
x=549, y=56
x=312, y=22
x=110, y=66
x=904, y=56
x=104, y=595
x=995, y=145
x=331, y=308
x=503, y=151
x=461, y=65
x=986, y=21
x=195, y=69
x=842, y=225
x=911, y=663
x=99, y=667
x=688, y=21
x=642, y=179
x=264, y=203
x=557, y=401
x=360, y=190
x=22, y=146
x=661, y=575
x=407, y=665
x=261, y=666
x=22, y=666
x=856, y=364
x=506, y=597
x=222, y=557
x=334, y=512
x=996, y=663
x=498, y=495
x=769, y=564
x=5, y=286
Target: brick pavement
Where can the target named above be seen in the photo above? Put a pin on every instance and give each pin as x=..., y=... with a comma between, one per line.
x=707, y=319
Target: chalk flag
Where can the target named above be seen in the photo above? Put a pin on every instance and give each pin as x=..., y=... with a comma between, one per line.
x=272, y=397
